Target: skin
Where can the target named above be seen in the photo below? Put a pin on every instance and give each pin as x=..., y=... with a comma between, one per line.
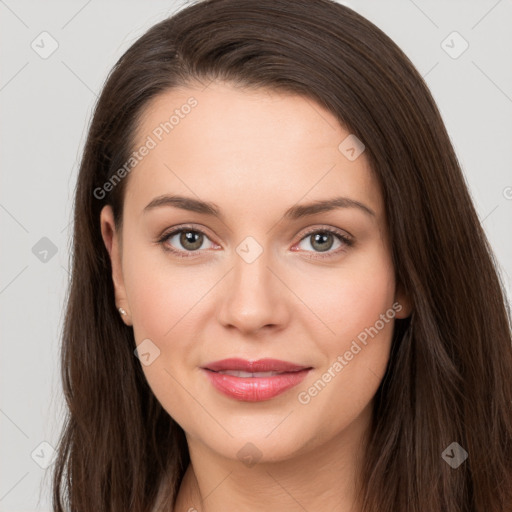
x=255, y=153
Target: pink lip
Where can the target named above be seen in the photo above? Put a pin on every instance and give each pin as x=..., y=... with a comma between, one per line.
x=254, y=389
x=261, y=365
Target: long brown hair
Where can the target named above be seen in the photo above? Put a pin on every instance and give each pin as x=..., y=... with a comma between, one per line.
x=449, y=377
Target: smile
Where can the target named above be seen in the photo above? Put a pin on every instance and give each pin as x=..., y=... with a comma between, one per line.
x=268, y=378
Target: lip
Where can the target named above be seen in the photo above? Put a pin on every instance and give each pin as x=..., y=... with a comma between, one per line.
x=254, y=389
x=261, y=365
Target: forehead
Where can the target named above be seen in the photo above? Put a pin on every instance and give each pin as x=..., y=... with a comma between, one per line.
x=255, y=146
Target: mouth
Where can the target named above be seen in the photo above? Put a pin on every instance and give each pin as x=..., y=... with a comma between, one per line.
x=254, y=381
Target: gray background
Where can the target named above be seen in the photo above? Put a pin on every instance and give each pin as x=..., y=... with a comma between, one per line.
x=46, y=104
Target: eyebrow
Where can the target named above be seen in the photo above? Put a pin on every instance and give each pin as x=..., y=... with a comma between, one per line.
x=294, y=213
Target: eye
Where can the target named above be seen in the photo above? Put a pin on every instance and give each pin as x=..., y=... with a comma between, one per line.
x=184, y=240
x=323, y=240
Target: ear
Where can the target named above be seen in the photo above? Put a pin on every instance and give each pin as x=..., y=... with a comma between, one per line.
x=404, y=307
x=112, y=241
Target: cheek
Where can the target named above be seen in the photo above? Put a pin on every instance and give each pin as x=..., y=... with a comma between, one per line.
x=356, y=304
x=161, y=295
x=162, y=299
x=350, y=298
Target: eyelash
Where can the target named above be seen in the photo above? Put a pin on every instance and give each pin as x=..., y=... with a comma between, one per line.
x=344, y=239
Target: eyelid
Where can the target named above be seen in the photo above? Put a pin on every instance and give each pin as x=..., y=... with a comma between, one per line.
x=326, y=228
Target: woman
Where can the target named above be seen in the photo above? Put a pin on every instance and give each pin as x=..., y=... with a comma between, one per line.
x=281, y=296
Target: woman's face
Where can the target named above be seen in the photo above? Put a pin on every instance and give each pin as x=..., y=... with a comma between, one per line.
x=263, y=277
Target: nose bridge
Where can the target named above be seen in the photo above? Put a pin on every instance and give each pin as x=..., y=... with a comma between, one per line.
x=254, y=297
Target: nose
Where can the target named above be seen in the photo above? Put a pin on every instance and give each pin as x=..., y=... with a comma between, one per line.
x=253, y=298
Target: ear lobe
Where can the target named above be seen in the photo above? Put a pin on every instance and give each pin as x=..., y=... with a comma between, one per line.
x=111, y=240
x=404, y=302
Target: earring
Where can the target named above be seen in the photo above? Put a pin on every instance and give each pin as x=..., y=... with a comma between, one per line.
x=122, y=311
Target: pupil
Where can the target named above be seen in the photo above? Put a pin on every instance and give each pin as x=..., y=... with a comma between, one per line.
x=322, y=238
x=192, y=238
